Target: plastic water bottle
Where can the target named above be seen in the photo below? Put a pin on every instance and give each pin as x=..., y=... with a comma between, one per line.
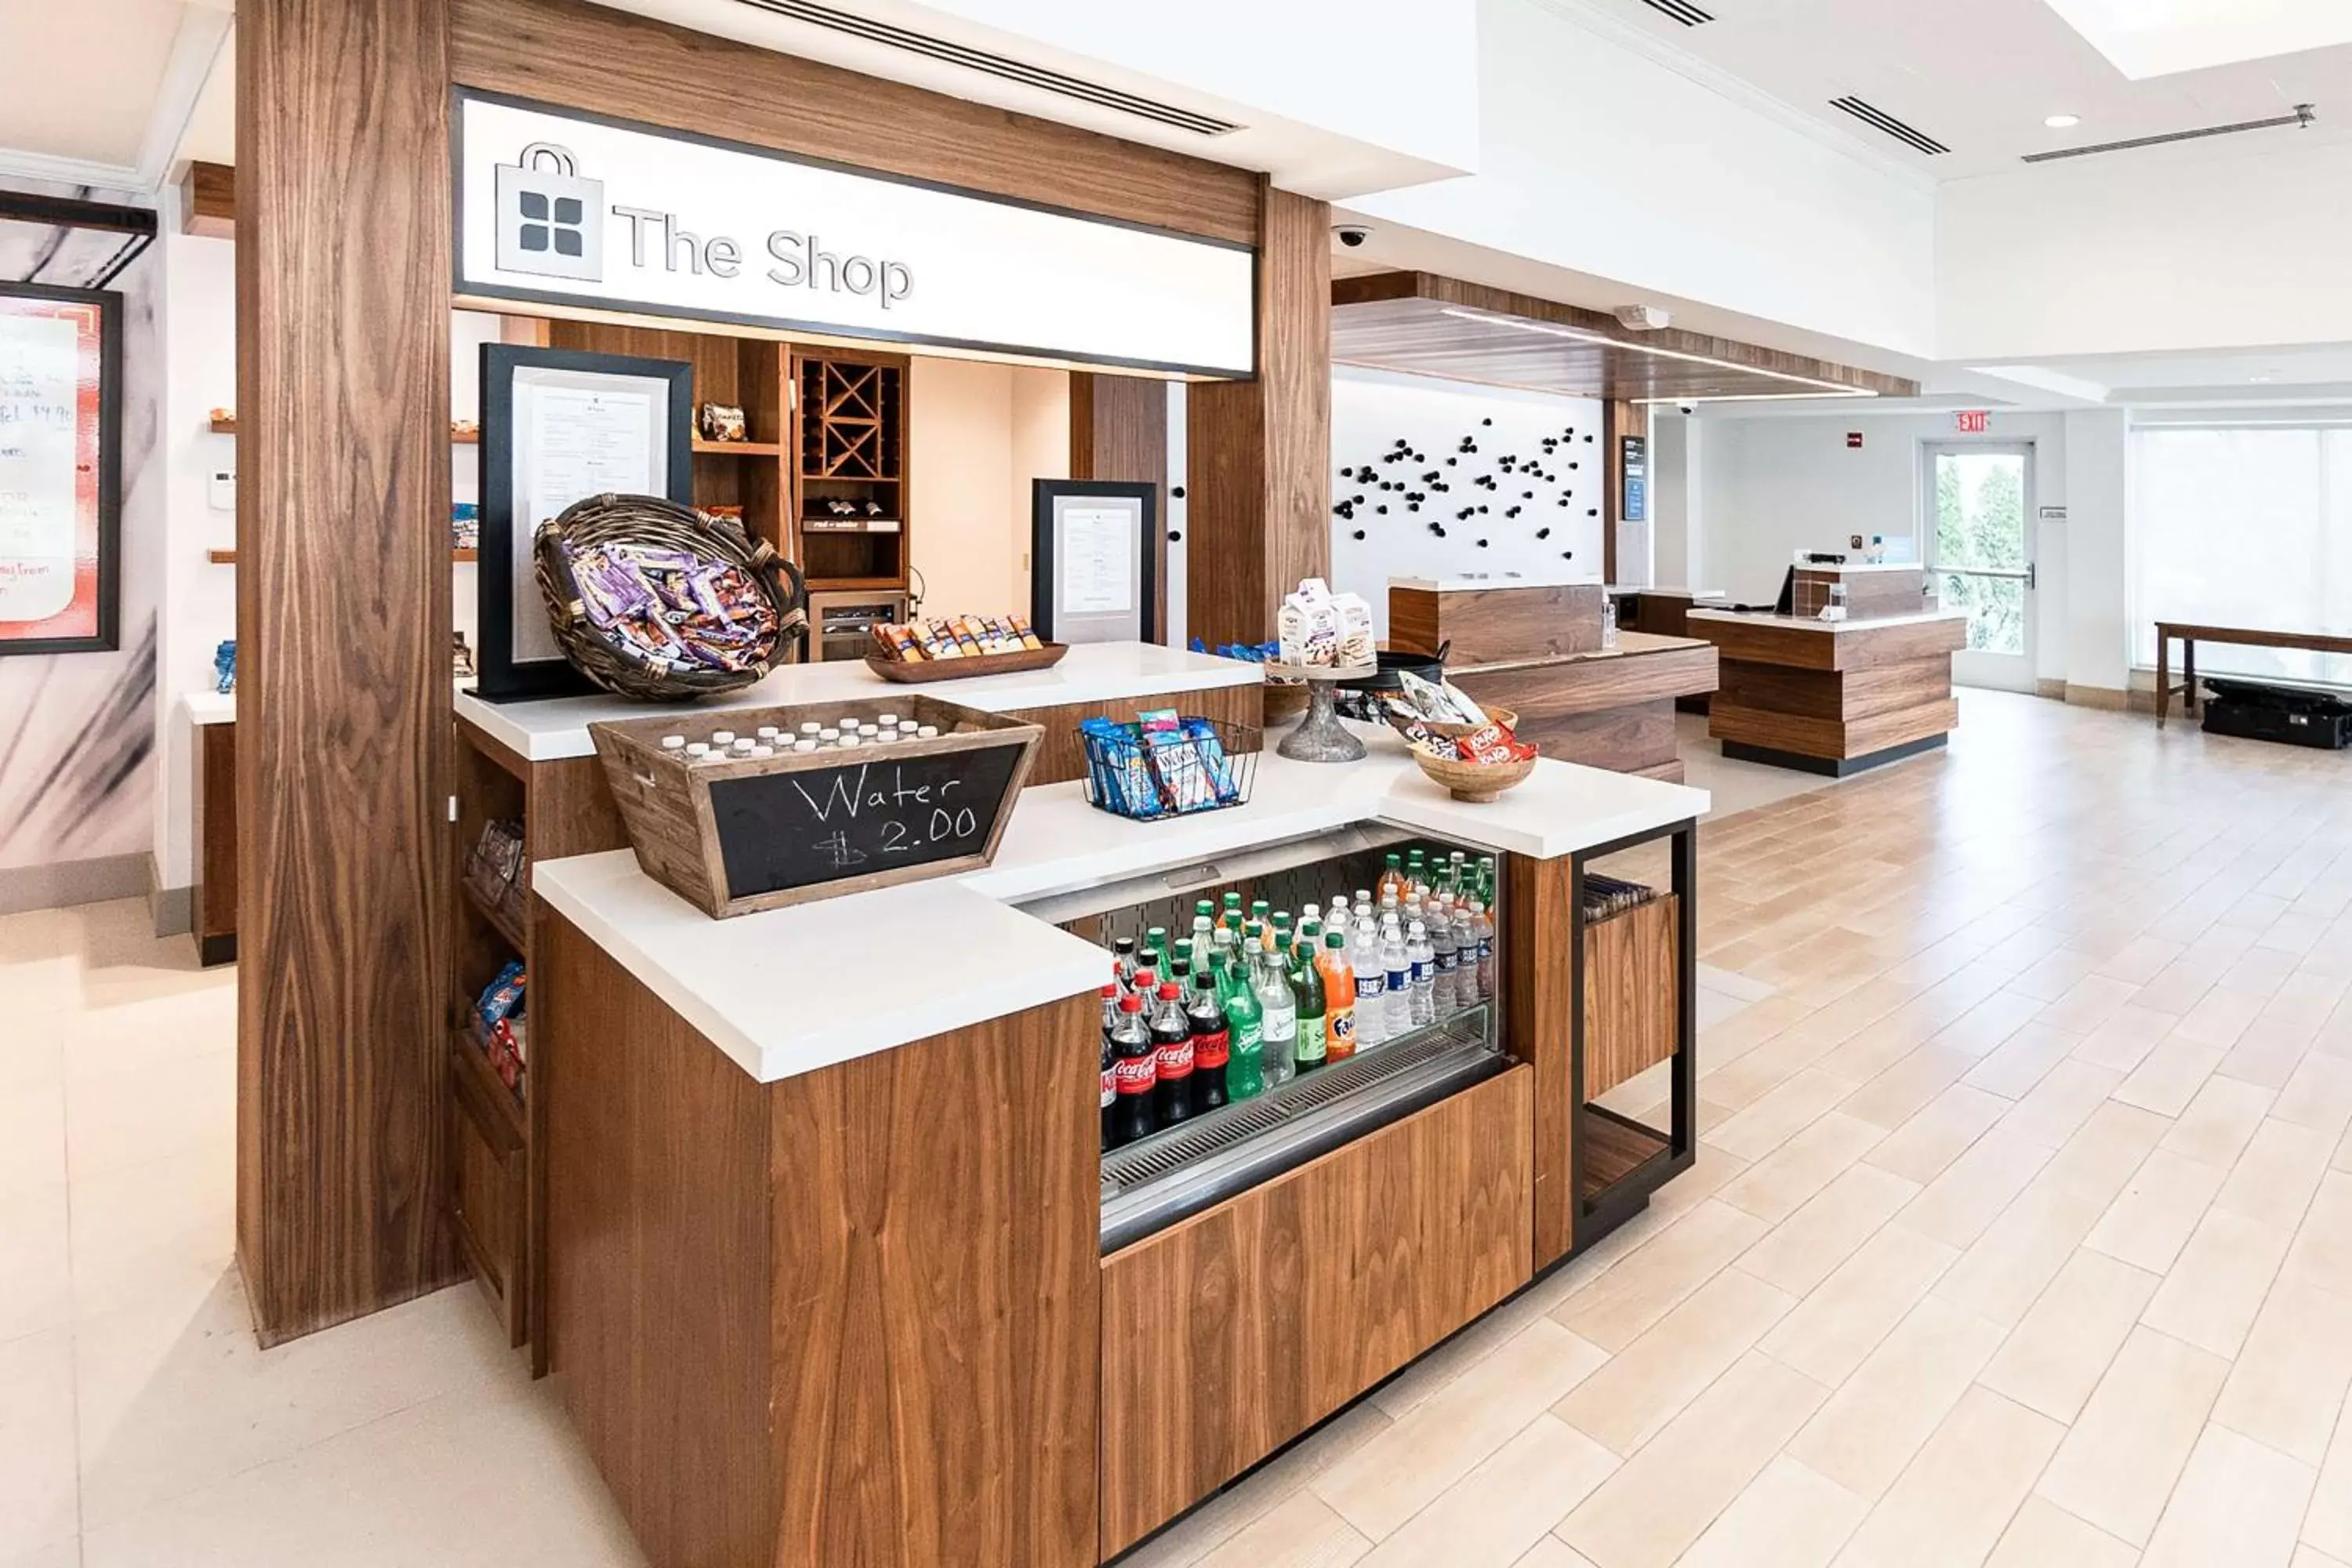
x=1436, y=921
x=1465, y=956
x=1371, y=982
x=1423, y=959
x=1396, y=972
x=1278, y=1022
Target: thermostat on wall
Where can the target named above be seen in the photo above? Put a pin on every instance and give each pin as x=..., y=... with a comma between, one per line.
x=220, y=490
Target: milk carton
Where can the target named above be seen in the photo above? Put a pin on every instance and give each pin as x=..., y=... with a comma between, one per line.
x=1355, y=618
x=1307, y=627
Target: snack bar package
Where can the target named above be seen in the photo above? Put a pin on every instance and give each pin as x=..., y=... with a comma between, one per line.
x=1440, y=701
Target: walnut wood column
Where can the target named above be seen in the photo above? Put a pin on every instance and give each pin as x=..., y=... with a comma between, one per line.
x=343, y=267
x=1258, y=501
x=1118, y=430
x=1620, y=420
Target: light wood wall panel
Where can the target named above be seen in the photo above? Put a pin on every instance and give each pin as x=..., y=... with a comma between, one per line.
x=344, y=265
x=595, y=58
x=1118, y=430
x=1258, y=501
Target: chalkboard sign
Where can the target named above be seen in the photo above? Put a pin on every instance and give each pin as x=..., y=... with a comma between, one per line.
x=780, y=831
x=748, y=834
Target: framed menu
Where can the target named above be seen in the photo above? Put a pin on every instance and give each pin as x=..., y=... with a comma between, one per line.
x=1093, y=541
x=558, y=427
x=60, y=468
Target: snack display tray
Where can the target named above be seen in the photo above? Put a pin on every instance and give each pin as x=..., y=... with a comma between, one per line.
x=923, y=671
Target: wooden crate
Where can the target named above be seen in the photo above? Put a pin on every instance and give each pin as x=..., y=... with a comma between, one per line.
x=736, y=837
x=1630, y=972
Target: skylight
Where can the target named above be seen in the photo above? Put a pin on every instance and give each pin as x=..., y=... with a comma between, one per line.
x=2158, y=38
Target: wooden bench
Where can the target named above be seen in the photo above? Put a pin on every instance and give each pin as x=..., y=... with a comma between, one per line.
x=2191, y=636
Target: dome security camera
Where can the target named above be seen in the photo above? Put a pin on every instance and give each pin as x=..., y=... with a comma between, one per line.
x=1352, y=234
x=1688, y=405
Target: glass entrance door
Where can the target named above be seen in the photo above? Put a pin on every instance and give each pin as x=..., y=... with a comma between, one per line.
x=1979, y=507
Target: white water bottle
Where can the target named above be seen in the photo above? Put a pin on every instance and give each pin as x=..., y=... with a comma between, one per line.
x=1372, y=982
x=1396, y=969
x=1423, y=959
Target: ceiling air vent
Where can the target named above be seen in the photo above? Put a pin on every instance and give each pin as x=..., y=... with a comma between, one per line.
x=997, y=66
x=2303, y=115
x=1879, y=120
x=1682, y=11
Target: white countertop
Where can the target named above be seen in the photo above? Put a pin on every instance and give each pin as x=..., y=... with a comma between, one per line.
x=1478, y=582
x=789, y=990
x=210, y=707
x=1090, y=672
x=1807, y=623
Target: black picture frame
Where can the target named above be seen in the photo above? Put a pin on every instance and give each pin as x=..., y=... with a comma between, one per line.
x=1043, y=494
x=108, y=636
x=498, y=676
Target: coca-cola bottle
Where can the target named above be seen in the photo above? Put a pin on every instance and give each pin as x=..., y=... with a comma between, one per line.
x=1135, y=1059
x=1171, y=1035
x=1109, y=1065
x=1211, y=1042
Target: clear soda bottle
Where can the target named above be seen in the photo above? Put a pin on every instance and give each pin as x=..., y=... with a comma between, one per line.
x=1439, y=922
x=1278, y=1016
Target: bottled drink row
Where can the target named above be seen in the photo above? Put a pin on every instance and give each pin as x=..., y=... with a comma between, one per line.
x=1250, y=999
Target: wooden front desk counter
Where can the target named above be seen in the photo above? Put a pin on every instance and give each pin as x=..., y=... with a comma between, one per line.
x=1832, y=697
x=824, y=1284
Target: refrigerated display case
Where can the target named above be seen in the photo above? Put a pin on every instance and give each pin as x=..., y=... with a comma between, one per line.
x=1156, y=1182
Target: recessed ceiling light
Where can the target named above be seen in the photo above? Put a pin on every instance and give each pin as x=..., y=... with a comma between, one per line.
x=2064, y=122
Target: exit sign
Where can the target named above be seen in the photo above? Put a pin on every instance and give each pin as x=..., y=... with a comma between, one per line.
x=1974, y=421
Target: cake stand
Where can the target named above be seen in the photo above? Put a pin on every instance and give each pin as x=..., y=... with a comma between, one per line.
x=1320, y=737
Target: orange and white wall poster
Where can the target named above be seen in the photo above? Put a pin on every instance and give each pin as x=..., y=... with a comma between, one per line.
x=57, y=460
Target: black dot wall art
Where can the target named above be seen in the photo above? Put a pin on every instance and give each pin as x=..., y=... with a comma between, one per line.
x=1411, y=469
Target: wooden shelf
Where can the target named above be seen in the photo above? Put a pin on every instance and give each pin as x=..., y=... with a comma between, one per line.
x=473, y=1064
x=225, y=425
x=228, y=557
x=703, y=449
x=856, y=584
x=499, y=919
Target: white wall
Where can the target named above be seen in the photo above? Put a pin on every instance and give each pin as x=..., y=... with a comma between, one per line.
x=2184, y=249
x=1771, y=486
x=1595, y=156
x=2097, y=580
x=977, y=434
x=1371, y=411
x=1678, y=501
x=199, y=597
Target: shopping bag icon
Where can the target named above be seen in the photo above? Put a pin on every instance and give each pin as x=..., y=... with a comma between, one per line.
x=550, y=221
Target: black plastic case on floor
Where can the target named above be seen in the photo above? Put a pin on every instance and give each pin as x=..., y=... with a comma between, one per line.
x=2298, y=717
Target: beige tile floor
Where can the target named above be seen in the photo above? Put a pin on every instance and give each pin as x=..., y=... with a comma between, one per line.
x=2022, y=1235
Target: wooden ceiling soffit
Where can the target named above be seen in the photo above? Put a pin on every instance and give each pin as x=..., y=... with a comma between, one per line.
x=1427, y=325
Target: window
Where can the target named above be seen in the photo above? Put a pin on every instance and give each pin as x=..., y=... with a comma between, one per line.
x=2243, y=526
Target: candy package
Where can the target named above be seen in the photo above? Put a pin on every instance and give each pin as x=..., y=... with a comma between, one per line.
x=667, y=606
x=502, y=999
x=1441, y=702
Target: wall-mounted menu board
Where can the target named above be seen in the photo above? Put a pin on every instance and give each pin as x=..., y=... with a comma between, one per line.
x=60, y=438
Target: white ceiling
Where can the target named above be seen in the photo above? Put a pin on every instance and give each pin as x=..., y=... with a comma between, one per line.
x=95, y=92
x=1982, y=76
x=2145, y=40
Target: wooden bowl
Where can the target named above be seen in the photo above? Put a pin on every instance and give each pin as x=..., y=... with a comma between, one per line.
x=1473, y=780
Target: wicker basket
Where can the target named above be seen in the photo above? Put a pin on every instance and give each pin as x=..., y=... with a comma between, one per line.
x=608, y=519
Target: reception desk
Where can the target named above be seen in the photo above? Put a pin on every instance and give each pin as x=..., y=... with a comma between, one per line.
x=1832, y=697
x=1612, y=708
x=1539, y=648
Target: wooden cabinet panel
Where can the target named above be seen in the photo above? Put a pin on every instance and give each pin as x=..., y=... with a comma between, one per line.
x=1539, y=991
x=487, y=1198
x=213, y=920
x=1630, y=971
x=1228, y=1335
